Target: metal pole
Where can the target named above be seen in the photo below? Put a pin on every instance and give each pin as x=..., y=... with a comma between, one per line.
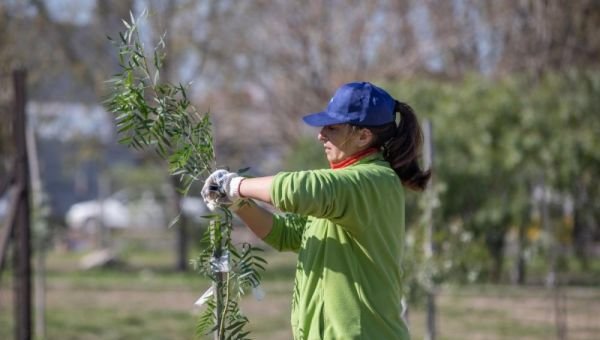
x=430, y=332
x=22, y=232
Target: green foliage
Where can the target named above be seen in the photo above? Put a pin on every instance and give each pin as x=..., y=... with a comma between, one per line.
x=495, y=141
x=159, y=115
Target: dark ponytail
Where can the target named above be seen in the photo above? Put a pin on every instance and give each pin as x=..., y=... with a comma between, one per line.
x=402, y=147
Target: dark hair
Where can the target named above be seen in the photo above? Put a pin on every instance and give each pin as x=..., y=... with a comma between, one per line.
x=402, y=146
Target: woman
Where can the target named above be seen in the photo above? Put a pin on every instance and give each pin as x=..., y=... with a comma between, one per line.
x=347, y=222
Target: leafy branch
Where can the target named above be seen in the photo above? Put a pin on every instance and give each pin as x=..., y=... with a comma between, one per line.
x=150, y=113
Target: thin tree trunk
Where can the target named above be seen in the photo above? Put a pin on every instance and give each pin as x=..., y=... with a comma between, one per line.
x=430, y=333
x=521, y=243
x=181, y=244
x=40, y=238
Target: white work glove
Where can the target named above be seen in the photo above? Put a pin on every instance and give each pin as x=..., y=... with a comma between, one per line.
x=221, y=188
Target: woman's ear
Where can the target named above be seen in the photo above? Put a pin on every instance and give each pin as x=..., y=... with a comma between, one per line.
x=365, y=138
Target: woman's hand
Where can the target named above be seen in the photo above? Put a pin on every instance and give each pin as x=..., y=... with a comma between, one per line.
x=221, y=188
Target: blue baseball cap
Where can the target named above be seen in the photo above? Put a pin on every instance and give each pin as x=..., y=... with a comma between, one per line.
x=358, y=103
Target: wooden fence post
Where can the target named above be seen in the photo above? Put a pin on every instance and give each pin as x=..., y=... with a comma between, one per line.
x=22, y=231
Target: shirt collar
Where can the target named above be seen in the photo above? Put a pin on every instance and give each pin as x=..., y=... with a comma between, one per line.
x=353, y=159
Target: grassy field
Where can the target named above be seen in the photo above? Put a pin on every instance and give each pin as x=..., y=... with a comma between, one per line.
x=145, y=300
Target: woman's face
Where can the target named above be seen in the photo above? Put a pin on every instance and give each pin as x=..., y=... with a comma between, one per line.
x=341, y=141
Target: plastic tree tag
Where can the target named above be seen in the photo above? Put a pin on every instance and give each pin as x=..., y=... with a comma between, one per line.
x=205, y=297
x=221, y=264
x=258, y=293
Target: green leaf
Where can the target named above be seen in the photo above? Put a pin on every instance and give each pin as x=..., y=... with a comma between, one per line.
x=123, y=40
x=207, y=321
x=242, y=336
x=236, y=328
x=125, y=140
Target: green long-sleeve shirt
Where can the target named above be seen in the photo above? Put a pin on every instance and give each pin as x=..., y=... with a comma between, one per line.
x=350, y=242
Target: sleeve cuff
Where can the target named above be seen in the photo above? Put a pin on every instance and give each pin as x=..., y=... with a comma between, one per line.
x=273, y=238
x=276, y=190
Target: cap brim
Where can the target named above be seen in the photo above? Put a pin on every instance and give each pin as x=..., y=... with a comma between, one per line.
x=321, y=119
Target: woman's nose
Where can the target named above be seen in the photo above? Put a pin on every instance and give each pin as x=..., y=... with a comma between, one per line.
x=321, y=137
